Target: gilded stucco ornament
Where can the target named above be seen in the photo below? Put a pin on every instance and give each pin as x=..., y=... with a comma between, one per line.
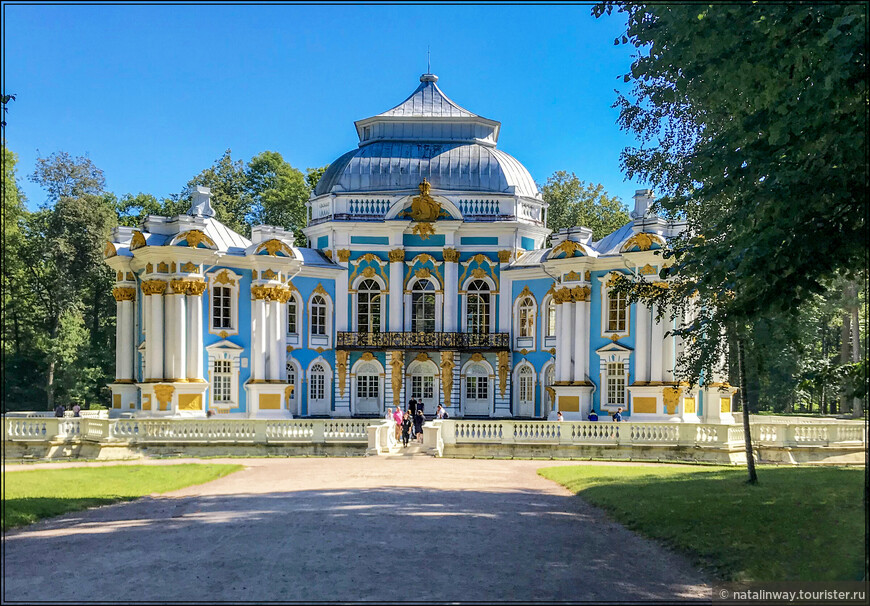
x=341, y=365
x=643, y=241
x=397, y=363
x=447, y=365
x=572, y=276
x=671, y=396
x=124, y=293
x=424, y=211
x=647, y=270
x=569, y=247
x=504, y=360
x=396, y=255
x=344, y=255
x=153, y=287
x=110, y=250
x=504, y=256
x=273, y=247
x=224, y=278
x=138, y=240
x=424, y=230
x=477, y=357
x=328, y=254
x=190, y=267
x=195, y=287
x=195, y=237
x=451, y=255
x=163, y=394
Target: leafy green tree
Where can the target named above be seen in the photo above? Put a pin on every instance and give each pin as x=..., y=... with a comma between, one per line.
x=313, y=175
x=575, y=202
x=752, y=122
x=132, y=210
x=278, y=193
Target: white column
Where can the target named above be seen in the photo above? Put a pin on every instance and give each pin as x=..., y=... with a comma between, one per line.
x=175, y=341
x=155, y=336
x=505, y=304
x=194, y=348
x=341, y=311
x=258, y=337
x=641, y=341
x=656, y=349
x=273, y=324
x=568, y=340
x=668, y=350
x=451, y=297
x=587, y=337
x=145, y=303
x=124, y=339
x=560, y=344
x=581, y=329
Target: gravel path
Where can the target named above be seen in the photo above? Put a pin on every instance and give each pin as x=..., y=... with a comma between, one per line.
x=351, y=529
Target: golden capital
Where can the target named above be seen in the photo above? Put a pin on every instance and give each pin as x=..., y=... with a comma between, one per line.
x=451, y=255
x=504, y=256
x=343, y=255
x=396, y=255
x=195, y=287
x=178, y=286
x=153, y=287
x=124, y=293
x=328, y=254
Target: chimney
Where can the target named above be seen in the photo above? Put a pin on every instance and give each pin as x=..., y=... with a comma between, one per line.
x=201, y=206
x=643, y=198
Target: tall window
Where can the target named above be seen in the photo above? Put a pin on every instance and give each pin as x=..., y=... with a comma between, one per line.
x=367, y=386
x=527, y=317
x=317, y=383
x=551, y=318
x=423, y=306
x=292, y=318
x=291, y=380
x=616, y=384
x=369, y=307
x=221, y=307
x=221, y=382
x=527, y=384
x=422, y=387
x=617, y=311
x=476, y=388
x=318, y=315
x=478, y=307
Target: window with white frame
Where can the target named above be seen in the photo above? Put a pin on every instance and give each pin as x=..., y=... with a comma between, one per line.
x=476, y=387
x=615, y=384
x=617, y=311
x=367, y=386
x=477, y=307
x=526, y=384
x=550, y=311
x=317, y=382
x=422, y=387
x=527, y=317
x=292, y=316
x=317, y=312
x=423, y=306
x=291, y=380
x=369, y=307
x=222, y=382
x=221, y=307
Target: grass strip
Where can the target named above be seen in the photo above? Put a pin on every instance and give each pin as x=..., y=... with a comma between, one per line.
x=805, y=524
x=33, y=494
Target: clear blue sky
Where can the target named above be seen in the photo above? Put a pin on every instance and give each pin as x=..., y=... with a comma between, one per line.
x=155, y=94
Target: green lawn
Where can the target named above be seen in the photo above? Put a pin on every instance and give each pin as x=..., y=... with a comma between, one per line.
x=795, y=524
x=31, y=495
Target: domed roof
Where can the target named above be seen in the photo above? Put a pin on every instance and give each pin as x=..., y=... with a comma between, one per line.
x=427, y=136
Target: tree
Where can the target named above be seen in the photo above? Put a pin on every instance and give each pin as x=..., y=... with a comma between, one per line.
x=313, y=175
x=278, y=193
x=574, y=202
x=752, y=122
x=132, y=210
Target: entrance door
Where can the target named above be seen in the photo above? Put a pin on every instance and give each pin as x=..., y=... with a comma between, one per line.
x=318, y=390
x=525, y=391
x=477, y=391
x=368, y=392
x=423, y=386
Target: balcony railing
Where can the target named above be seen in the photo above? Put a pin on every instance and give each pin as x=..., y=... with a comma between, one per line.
x=423, y=340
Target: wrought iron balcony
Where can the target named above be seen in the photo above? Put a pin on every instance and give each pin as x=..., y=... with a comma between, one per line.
x=424, y=340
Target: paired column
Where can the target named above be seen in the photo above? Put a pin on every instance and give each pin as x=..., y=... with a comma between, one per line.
x=194, y=367
x=568, y=319
x=269, y=329
x=668, y=350
x=125, y=338
x=641, y=360
x=153, y=290
x=272, y=335
x=397, y=280
x=581, y=335
x=560, y=343
x=657, y=348
x=176, y=331
x=258, y=335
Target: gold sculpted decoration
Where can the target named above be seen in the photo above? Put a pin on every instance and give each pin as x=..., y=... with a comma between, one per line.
x=190, y=267
x=138, y=240
x=178, y=286
x=153, y=287
x=195, y=237
x=478, y=273
x=423, y=272
x=648, y=270
x=195, y=287
x=130, y=276
x=424, y=230
x=477, y=357
x=451, y=255
x=569, y=247
x=254, y=274
x=172, y=267
x=503, y=367
x=273, y=246
x=344, y=255
x=423, y=207
x=504, y=256
x=270, y=275
x=328, y=254
x=396, y=255
x=320, y=290
x=368, y=272
x=588, y=276
x=671, y=397
x=119, y=276
x=367, y=356
x=447, y=375
x=341, y=364
x=224, y=278
x=124, y=294
x=110, y=250
x=397, y=362
x=572, y=276
x=149, y=268
x=164, y=395
x=162, y=268
x=422, y=357
x=643, y=241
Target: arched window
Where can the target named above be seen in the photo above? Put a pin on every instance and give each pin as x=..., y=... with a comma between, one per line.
x=317, y=383
x=550, y=326
x=293, y=386
x=423, y=306
x=526, y=384
x=478, y=296
x=369, y=307
x=293, y=309
x=318, y=315
x=527, y=317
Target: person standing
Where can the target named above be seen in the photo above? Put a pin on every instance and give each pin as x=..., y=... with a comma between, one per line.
x=77, y=410
x=59, y=410
x=559, y=416
x=406, y=429
x=412, y=407
x=419, y=419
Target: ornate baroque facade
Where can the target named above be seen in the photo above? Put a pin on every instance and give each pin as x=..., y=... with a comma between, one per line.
x=427, y=277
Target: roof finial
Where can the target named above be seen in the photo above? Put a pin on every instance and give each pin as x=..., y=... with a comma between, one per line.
x=428, y=61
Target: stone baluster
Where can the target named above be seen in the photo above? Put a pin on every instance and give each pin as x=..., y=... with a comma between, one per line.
x=397, y=265
x=153, y=290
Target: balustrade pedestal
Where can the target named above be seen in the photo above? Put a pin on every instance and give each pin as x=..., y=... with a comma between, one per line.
x=575, y=402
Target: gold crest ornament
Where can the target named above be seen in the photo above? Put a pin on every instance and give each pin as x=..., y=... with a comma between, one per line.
x=424, y=211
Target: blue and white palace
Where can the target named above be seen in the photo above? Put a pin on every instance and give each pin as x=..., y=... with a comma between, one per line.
x=426, y=277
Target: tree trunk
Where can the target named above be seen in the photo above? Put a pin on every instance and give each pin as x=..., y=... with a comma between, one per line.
x=747, y=436
x=824, y=359
x=49, y=388
x=845, y=354
x=856, y=348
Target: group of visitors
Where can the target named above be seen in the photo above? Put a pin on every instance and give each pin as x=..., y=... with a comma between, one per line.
x=593, y=416
x=409, y=424
x=60, y=410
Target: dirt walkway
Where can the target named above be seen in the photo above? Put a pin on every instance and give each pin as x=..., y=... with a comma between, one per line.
x=349, y=530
